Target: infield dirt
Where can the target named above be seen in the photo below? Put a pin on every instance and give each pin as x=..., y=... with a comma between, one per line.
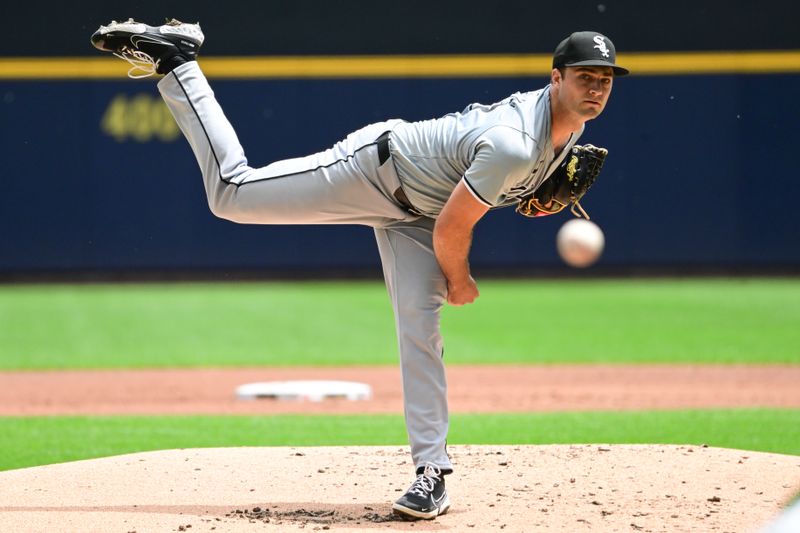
x=471, y=389
x=497, y=488
x=509, y=488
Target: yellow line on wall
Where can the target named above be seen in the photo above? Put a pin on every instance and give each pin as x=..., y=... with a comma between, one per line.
x=441, y=66
x=744, y=62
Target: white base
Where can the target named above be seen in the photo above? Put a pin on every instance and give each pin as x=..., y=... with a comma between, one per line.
x=314, y=391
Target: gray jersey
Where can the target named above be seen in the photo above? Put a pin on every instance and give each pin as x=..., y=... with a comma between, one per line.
x=501, y=151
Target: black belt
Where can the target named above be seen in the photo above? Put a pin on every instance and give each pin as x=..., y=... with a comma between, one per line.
x=383, y=156
x=383, y=148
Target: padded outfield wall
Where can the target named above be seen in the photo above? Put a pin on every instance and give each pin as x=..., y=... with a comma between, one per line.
x=702, y=139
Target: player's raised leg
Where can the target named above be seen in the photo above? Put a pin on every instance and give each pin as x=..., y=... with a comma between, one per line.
x=341, y=185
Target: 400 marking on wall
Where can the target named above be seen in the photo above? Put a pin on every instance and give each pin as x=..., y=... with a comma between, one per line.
x=139, y=118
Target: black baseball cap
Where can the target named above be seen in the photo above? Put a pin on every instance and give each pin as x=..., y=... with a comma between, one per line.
x=587, y=49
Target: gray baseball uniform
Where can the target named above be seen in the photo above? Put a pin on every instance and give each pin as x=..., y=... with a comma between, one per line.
x=394, y=176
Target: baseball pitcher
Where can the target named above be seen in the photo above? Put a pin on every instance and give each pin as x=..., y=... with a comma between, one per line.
x=422, y=186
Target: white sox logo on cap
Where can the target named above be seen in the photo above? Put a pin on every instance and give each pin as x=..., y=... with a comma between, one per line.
x=587, y=49
x=601, y=45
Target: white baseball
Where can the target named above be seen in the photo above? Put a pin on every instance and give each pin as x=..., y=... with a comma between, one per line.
x=580, y=242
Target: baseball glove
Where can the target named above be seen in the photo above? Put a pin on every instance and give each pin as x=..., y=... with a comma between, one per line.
x=566, y=185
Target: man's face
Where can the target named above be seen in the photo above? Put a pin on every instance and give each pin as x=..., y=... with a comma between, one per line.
x=584, y=90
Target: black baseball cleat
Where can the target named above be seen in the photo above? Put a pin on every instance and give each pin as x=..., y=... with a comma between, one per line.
x=150, y=49
x=426, y=498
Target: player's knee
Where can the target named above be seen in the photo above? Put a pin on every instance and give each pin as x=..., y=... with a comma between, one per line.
x=218, y=209
x=422, y=316
x=423, y=301
x=226, y=209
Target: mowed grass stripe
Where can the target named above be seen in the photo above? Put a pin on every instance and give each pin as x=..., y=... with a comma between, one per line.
x=350, y=323
x=31, y=441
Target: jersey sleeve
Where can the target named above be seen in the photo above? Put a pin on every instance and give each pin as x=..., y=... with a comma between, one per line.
x=502, y=160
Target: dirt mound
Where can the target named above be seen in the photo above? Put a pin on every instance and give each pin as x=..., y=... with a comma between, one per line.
x=508, y=488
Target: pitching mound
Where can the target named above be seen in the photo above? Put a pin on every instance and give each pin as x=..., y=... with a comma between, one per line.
x=509, y=488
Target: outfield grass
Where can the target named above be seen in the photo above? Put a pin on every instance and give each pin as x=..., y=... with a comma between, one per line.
x=338, y=323
x=30, y=441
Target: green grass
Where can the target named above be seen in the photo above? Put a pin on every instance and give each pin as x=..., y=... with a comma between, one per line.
x=30, y=441
x=338, y=323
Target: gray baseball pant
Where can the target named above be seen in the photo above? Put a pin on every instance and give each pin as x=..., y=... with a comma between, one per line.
x=346, y=184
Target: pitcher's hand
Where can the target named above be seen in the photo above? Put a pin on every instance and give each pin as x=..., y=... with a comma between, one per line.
x=462, y=293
